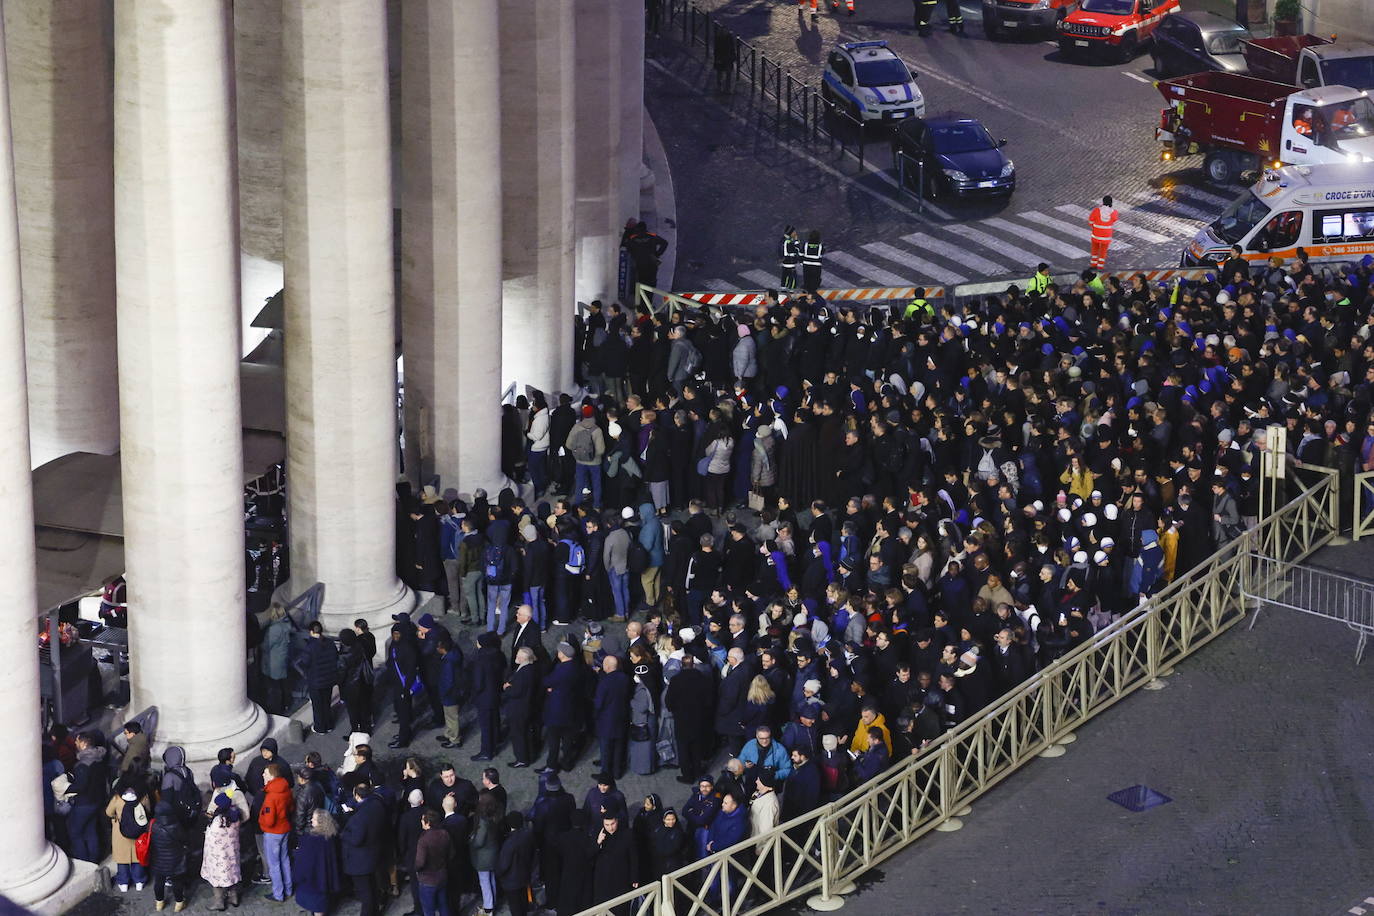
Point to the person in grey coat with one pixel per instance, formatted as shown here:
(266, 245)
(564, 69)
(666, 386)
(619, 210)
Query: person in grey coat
(744, 359)
(1225, 515)
(643, 724)
(616, 557)
(683, 357)
(276, 648)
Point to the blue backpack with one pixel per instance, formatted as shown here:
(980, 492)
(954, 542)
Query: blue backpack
(577, 557)
(496, 564)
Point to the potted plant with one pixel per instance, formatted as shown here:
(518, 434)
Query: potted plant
(1286, 16)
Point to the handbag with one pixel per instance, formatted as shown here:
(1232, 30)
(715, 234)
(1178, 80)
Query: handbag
(62, 794)
(640, 733)
(755, 501)
(704, 466)
(143, 845)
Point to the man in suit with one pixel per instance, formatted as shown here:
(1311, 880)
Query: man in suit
(488, 674)
(520, 694)
(526, 634)
(563, 709)
(361, 842)
(730, 702)
(611, 714)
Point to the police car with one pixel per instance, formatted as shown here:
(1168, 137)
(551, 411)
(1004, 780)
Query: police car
(871, 83)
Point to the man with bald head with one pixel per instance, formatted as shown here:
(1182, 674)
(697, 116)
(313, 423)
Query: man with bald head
(732, 699)
(611, 715)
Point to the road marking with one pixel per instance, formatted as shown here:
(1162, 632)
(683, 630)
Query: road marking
(1070, 229)
(907, 259)
(763, 278)
(1059, 130)
(1122, 229)
(992, 242)
(823, 166)
(1174, 207)
(1138, 78)
(978, 263)
(1198, 195)
(866, 270)
(1032, 235)
(718, 285)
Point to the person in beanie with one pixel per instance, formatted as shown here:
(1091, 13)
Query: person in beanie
(763, 808)
(219, 866)
(586, 443)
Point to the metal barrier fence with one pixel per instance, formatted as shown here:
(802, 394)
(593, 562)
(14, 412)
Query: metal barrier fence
(826, 850)
(1362, 512)
(1314, 591)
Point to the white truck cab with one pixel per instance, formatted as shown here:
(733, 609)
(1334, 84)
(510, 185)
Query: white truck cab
(1327, 124)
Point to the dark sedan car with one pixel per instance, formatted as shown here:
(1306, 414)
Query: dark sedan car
(952, 155)
(1191, 42)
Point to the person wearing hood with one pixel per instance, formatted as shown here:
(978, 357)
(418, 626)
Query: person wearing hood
(576, 857)
(763, 466)
(643, 731)
(651, 539)
(488, 674)
(168, 854)
(89, 785)
(128, 815)
(615, 554)
(669, 845)
(219, 865)
(550, 817)
(274, 820)
(253, 780)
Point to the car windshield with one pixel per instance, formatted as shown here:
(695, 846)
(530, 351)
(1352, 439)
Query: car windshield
(886, 71)
(1347, 120)
(960, 138)
(1355, 72)
(1239, 218)
(1225, 42)
(1111, 7)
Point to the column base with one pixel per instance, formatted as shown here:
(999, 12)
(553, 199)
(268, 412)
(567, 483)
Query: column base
(52, 878)
(202, 755)
(337, 612)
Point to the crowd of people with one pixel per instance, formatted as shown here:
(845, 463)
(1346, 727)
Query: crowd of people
(776, 552)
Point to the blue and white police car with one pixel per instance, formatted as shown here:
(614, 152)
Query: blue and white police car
(871, 83)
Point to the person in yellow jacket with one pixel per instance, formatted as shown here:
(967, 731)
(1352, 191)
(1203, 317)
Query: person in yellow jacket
(870, 718)
(1079, 478)
(1168, 541)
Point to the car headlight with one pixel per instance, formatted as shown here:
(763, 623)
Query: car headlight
(1009, 169)
(868, 95)
(955, 175)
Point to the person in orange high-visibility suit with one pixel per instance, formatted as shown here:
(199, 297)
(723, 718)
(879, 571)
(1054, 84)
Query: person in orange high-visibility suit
(1102, 219)
(802, 3)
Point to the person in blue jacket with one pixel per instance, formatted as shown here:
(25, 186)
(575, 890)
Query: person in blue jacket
(729, 827)
(651, 539)
(562, 710)
(451, 683)
(361, 841)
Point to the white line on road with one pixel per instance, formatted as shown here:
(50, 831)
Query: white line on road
(1040, 238)
(992, 242)
(1173, 206)
(866, 270)
(1138, 78)
(762, 278)
(1199, 195)
(1121, 228)
(1070, 229)
(719, 286)
(955, 253)
(907, 259)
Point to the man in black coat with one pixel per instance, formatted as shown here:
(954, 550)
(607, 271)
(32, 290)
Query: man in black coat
(730, 702)
(616, 869)
(563, 701)
(403, 663)
(525, 632)
(803, 790)
(577, 860)
(550, 817)
(448, 782)
(408, 832)
(321, 674)
(431, 664)
(519, 699)
(488, 675)
(361, 842)
(515, 864)
(690, 697)
(611, 715)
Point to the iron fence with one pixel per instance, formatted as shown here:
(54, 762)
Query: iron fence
(1311, 590)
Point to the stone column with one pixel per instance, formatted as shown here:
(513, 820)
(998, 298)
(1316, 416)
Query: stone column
(451, 241)
(537, 143)
(598, 87)
(177, 260)
(59, 59)
(341, 460)
(631, 107)
(258, 112)
(31, 868)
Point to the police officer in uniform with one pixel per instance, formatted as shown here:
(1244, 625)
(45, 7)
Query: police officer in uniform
(955, 14)
(811, 262)
(789, 254)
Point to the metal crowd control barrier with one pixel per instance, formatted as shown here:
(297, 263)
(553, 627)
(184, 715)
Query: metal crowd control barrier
(1363, 509)
(824, 851)
(861, 298)
(1314, 591)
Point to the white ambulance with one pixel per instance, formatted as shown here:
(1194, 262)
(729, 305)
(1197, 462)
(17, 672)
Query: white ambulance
(1328, 210)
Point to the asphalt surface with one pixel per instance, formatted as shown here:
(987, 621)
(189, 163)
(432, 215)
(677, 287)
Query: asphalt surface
(1075, 130)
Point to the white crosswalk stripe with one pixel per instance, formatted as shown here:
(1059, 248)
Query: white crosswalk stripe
(956, 253)
(719, 286)
(1171, 207)
(907, 259)
(1040, 238)
(1069, 229)
(993, 243)
(1200, 195)
(761, 278)
(1122, 228)
(866, 270)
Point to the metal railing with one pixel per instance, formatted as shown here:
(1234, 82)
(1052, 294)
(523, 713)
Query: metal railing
(1362, 510)
(827, 849)
(1319, 592)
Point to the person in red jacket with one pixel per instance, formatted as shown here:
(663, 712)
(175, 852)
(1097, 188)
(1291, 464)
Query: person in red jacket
(274, 819)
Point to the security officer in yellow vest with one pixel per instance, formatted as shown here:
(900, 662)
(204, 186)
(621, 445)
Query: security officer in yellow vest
(1093, 282)
(1040, 283)
(919, 309)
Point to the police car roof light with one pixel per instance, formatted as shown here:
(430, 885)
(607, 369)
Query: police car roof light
(857, 45)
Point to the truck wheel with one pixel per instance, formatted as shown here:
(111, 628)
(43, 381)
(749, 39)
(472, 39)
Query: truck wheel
(1219, 168)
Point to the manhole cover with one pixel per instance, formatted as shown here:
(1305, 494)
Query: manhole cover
(1139, 798)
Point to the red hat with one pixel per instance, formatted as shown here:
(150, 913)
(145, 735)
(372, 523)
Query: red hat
(588, 410)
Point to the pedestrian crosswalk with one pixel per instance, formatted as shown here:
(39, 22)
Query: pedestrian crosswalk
(1153, 227)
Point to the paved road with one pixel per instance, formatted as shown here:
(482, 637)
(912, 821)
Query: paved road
(1075, 131)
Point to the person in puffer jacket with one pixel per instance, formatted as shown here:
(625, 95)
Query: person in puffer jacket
(274, 820)
(168, 853)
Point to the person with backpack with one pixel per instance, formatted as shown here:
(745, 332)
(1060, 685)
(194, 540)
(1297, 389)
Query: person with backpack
(587, 445)
(356, 681)
(179, 785)
(684, 359)
(498, 568)
(129, 817)
(569, 564)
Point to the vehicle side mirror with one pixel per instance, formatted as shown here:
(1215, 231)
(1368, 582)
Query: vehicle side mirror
(1002, 142)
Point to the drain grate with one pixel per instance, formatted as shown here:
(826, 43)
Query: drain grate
(1139, 798)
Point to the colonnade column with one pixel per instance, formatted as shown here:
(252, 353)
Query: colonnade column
(31, 868)
(60, 88)
(341, 458)
(537, 143)
(177, 260)
(631, 107)
(451, 240)
(598, 89)
(258, 113)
